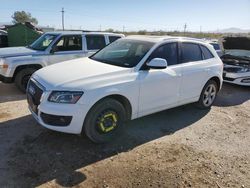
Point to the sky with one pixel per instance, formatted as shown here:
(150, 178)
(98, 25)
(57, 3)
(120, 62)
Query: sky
(168, 15)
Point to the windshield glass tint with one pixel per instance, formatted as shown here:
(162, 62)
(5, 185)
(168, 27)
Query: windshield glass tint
(43, 42)
(216, 46)
(123, 52)
(240, 53)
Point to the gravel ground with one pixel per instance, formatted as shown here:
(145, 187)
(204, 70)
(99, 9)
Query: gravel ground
(181, 147)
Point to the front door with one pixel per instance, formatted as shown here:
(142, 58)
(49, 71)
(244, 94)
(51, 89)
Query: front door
(66, 48)
(159, 89)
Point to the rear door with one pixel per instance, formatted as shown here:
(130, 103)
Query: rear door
(66, 48)
(194, 72)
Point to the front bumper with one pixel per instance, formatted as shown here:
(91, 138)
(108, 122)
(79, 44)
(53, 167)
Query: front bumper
(5, 79)
(76, 112)
(68, 118)
(242, 79)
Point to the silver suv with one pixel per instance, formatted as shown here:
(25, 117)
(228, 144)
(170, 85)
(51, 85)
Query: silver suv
(17, 64)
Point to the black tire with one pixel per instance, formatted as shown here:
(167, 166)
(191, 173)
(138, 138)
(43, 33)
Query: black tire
(202, 100)
(22, 78)
(96, 114)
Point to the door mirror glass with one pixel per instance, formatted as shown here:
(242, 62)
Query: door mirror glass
(157, 63)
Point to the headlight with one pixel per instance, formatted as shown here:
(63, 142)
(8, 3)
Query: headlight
(243, 69)
(69, 97)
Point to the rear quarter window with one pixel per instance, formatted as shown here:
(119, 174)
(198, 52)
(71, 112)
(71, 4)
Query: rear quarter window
(113, 38)
(206, 52)
(95, 42)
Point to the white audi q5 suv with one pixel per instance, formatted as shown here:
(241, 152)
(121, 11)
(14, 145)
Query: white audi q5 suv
(132, 77)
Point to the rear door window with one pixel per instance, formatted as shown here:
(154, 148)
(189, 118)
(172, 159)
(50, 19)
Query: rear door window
(167, 51)
(206, 52)
(95, 42)
(190, 52)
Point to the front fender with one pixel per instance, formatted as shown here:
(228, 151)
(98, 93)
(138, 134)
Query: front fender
(130, 93)
(15, 62)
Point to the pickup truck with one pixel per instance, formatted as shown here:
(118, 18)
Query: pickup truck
(17, 64)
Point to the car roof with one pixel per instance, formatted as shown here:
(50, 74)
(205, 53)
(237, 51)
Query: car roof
(149, 38)
(83, 32)
(157, 39)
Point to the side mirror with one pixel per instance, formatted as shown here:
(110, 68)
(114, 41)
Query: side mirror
(157, 63)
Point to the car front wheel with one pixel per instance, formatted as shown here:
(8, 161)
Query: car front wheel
(22, 78)
(104, 121)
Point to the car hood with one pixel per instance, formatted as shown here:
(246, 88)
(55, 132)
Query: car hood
(81, 73)
(16, 52)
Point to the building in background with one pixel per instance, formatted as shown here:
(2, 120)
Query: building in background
(22, 34)
(3, 39)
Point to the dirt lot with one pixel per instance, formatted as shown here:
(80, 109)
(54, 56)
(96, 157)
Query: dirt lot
(181, 147)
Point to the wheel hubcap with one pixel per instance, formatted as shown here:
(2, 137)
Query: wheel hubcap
(107, 121)
(209, 95)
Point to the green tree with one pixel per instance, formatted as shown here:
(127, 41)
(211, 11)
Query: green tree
(109, 30)
(142, 32)
(22, 17)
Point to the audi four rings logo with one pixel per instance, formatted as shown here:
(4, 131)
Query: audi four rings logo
(32, 90)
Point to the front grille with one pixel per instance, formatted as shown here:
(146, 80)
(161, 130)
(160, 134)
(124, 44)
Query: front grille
(246, 80)
(232, 69)
(228, 79)
(34, 94)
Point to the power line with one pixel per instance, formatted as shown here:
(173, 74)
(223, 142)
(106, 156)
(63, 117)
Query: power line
(185, 27)
(62, 18)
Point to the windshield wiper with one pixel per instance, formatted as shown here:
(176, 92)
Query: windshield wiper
(245, 57)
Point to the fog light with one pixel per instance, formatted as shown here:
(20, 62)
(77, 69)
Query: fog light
(246, 80)
(54, 120)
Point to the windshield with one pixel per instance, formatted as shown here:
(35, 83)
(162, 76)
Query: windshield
(239, 53)
(123, 52)
(43, 42)
(216, 46)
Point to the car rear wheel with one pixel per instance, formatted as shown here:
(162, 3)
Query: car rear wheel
(105, 121)
(22, 78)
(208, 95)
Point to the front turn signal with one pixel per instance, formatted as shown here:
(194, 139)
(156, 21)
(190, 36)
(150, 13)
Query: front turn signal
(5, 66)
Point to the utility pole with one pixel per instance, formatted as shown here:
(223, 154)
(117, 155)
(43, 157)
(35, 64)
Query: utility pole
(62, 11)
(185, 27)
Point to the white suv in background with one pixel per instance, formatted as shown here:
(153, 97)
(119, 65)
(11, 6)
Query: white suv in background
(128, 79)
(17, 64)
(217, 45)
